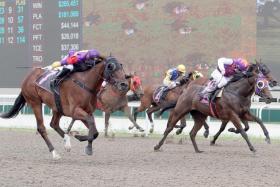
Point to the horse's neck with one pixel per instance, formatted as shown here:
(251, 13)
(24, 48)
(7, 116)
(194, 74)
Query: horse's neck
(244, 87)
(93, 78)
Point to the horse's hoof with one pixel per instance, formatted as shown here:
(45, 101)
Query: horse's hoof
(206, 134)
(232, 130)
(198, 151)
(253, 149)
(151, 131)
(67, 144)
(268, 140)
(140, 129)
(130, 128)
(55, 155)
(156, 148)
(179, 131)
(180, 142)
(212, 143)
(88, 150)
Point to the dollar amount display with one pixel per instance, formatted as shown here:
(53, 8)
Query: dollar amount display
(36, 33)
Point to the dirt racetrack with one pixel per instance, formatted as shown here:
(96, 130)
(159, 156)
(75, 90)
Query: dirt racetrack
(25, 161)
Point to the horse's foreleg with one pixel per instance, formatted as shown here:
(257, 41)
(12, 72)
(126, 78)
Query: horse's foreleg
(55, 125)
(80, 114)
(222, 128)
(149, 112)
(236, 121)
(107, 117)
(37, 109)
(70, 126)
(126, 110)
(250, 117)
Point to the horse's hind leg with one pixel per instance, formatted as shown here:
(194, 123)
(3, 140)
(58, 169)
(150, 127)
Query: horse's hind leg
(37, 109)
(174, 117)
(149, 113)
(250, 117)
(126, 110)
(199, 120)
(222, 128)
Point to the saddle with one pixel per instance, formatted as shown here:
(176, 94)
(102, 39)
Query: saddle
(44, 82)
(160, 93)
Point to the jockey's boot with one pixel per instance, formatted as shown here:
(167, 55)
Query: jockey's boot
(60, 75)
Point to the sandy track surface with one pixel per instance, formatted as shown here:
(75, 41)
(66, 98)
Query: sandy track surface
(25, 161)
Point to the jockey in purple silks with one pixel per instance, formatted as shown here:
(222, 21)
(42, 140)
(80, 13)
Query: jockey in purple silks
(227, 67)
(69, 62)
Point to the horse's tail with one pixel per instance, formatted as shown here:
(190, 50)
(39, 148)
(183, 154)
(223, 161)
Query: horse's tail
(18, 105)
(167, 107)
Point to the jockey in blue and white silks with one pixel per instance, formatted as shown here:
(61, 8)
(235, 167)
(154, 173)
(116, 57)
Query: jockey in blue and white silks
(172, 75)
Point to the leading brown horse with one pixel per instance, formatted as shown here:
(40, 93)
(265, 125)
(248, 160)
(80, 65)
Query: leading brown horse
(232, 106)
(265, 79)
(78, 98)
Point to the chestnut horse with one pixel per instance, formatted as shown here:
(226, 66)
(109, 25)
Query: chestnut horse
(111, 99)
(233, 106)
(78, 98)
(148, 104)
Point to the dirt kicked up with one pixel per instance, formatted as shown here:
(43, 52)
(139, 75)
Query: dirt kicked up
(25, 161)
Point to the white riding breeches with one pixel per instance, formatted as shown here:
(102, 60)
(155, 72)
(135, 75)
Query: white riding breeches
(219, 79)
(69, 66)
(170, 84)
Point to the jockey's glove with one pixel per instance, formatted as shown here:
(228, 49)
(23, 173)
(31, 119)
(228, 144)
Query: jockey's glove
(48, 68)
(55, 64)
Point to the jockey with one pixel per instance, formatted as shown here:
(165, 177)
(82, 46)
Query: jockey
(227, 67)
(172, 75)
(72, 61)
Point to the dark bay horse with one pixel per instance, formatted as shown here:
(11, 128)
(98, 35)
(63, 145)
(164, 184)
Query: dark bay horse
(148, 104)
(110, 100)
(265, 79)
(233, 106)
(78, 101)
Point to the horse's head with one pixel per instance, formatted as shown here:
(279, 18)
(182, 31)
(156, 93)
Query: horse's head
(262, 88)
(135, 85)
(267, 73)
(115, 75)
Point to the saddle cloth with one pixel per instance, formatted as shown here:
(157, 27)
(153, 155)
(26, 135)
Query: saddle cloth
(159, 94)
(44, 80)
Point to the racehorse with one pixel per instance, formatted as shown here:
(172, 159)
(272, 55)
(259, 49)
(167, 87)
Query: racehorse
(265, 79)
(111, 99)
(148, 103)
(78, 97)
(233, 106)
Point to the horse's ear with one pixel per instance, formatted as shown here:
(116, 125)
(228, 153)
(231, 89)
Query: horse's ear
(256, 62)
(129, 76)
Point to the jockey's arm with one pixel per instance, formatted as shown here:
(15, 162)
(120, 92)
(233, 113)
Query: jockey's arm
(166, 80)
(222, 62)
